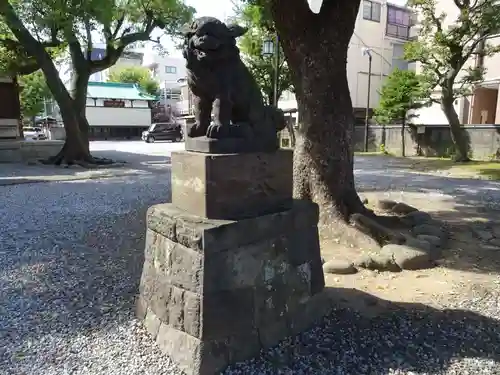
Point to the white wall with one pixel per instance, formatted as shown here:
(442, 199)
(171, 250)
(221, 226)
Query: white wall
(433, 115)
(138, 115)
(158, 64)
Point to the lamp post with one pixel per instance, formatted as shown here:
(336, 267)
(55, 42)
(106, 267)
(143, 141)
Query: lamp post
(368, 52)
(270, 48)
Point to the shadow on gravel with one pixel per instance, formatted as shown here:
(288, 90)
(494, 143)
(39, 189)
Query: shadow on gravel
(13, 174)
(368, 335)
(79, 280)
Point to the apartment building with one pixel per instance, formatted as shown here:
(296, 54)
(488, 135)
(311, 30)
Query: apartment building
(381, 30)
(167, 70)
(483, 106)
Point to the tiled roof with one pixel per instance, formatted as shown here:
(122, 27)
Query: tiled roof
(114, 90)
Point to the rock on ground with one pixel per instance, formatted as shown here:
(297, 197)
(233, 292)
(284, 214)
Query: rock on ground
(339, 267)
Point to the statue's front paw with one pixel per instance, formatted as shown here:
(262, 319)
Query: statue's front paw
(217, 131)
(195, 130)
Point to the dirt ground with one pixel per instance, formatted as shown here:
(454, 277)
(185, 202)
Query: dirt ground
(470, 267)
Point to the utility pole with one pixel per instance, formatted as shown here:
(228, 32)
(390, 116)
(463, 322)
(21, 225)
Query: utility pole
(276, 70)
(367, 51)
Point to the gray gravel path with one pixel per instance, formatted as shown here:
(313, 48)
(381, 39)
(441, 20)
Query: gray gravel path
(70, 261)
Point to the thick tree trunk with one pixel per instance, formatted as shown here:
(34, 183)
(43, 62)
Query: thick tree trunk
(316, 50)
(76, 147)
(458, 135)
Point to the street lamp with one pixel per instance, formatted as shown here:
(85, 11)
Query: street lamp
(368, 52)
(270, 48)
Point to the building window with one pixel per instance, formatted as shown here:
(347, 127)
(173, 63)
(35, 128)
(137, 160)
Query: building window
(170, 69)
(371, 10)
(398, 60)
(398, 22)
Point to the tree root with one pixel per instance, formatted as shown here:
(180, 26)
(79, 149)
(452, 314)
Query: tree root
(85, 161)
(374, 227)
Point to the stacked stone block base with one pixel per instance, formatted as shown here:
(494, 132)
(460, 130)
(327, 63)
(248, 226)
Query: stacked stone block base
(215, 292)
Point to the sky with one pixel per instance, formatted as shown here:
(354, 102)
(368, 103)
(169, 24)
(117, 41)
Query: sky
(220, 9)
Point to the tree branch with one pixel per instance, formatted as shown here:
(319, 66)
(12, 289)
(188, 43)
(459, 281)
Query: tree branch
(114, 53)
(27, 69)
(28, 42)
(75, 50)
(88, 30)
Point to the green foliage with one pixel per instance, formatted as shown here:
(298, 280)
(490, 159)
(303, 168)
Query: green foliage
(34, 93)
(260, 29)
(135, 74)
(444, 45)
(31, 27)
(402, 91)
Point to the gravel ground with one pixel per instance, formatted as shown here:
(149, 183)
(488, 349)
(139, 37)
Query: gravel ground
(70, 261)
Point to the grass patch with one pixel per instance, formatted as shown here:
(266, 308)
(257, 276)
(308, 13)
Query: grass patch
(370, 153)
(485, 169)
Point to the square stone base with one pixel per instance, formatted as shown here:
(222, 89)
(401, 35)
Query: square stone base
(216, 292)
(232, 186)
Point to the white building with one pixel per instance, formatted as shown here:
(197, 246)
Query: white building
(381, 28)
(166, 70)
(117, 110)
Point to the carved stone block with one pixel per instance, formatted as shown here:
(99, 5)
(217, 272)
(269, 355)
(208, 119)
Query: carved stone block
(232, 186)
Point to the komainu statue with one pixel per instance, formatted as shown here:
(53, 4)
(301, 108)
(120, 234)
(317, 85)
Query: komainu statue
(223, 86)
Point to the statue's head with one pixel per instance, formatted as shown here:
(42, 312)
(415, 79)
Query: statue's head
(210, 38)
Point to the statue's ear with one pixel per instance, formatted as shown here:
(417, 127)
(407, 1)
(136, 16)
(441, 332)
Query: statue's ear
(236, 30)
(187, 29)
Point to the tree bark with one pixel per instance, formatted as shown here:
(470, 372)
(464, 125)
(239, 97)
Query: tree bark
(76, 146)
(458, 135)
(316, 50)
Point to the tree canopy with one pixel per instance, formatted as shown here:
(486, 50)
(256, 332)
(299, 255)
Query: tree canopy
(139, 75)
(260, 29)
(34, 93)
(444, 48)
(402, 91)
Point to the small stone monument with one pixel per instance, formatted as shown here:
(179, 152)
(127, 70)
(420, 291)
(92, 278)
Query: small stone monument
(233, 264)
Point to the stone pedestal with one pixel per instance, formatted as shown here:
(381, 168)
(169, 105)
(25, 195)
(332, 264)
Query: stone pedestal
(217, 291)
(232, 186)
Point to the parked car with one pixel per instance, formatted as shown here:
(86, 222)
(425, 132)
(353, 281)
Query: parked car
(34, 134)
(163, 131)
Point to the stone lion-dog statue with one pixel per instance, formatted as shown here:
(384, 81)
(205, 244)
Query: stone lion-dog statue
(221, 84)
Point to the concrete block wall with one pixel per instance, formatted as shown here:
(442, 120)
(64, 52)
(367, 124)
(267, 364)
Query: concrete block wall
(484, 140)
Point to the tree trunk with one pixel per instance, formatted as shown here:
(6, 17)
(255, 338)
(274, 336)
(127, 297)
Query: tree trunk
(458, 135)
(316, 50)
(78, 92)
(76, 146)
